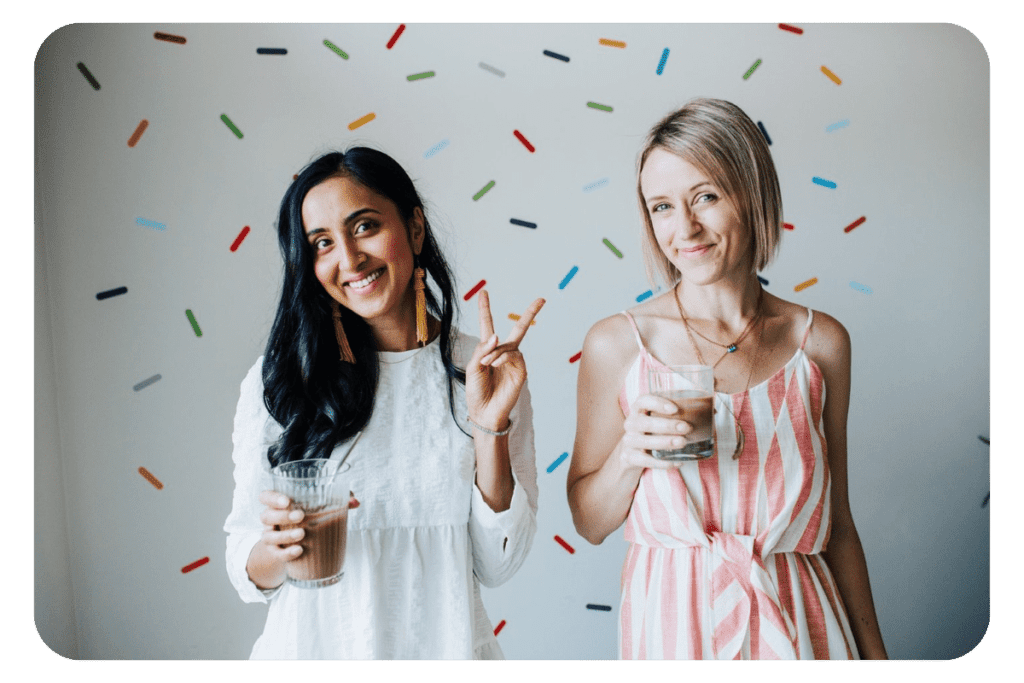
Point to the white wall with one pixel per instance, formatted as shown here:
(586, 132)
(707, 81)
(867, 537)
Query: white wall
(913, 160)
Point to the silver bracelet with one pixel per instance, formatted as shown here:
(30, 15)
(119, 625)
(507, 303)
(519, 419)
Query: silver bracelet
(485, 430)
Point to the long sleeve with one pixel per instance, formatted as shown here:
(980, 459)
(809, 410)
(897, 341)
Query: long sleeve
(501, 540)
(254, 431)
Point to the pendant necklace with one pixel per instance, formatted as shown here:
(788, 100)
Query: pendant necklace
(729, 349)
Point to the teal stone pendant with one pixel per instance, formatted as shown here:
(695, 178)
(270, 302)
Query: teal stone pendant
(731, 348)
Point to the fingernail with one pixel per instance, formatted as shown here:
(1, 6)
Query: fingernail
(295, 515)
(297, 534)
(669, 408)
(680, 426)
(678, 441)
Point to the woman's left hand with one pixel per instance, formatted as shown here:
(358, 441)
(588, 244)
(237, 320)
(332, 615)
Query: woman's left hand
(496, 372)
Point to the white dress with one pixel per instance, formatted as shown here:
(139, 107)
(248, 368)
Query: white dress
(422, 539)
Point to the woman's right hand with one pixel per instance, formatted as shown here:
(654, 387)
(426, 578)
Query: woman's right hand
(653, 423)
(279, 543)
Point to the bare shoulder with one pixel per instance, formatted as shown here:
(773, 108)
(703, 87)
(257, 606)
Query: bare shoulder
(610, 341)
(828, 345)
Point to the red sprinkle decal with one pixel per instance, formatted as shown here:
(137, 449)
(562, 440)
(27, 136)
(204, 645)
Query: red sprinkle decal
(794, 29)
(391, 43)
(501, 625)
(564, 544)
(576, 357)
(854, 224)
(523, 140)
(241, 236)
(198, 563)
(470, 293)
(788, 226)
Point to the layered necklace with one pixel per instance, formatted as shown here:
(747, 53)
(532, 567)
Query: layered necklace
(729, 348)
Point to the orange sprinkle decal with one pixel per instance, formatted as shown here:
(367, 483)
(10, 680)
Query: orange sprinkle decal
(806, 284)
(149, 477)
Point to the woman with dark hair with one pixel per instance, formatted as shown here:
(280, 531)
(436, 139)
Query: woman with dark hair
(750, 552)
(364, 363)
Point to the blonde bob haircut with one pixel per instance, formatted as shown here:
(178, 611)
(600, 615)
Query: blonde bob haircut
(719, 139)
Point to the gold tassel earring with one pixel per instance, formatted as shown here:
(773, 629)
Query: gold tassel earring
(421, 306)
(339, 333)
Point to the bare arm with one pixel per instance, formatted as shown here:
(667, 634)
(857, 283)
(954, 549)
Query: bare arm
(830, 349)
(609, 454)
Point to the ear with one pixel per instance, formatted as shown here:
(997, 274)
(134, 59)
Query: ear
(417, 230)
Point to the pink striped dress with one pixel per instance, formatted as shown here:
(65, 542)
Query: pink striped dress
(724, 555)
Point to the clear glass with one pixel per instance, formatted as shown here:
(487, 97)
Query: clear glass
(320, 488)
(692, 388)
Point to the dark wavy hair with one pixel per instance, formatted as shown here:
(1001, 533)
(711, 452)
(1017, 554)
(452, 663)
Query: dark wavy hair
(318, 399)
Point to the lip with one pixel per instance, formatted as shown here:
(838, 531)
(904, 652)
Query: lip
(694, 252)
(368, 288)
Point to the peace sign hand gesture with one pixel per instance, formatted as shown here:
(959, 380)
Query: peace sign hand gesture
(496, 372)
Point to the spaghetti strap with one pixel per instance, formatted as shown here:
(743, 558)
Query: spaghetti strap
(636, 332)
(807, 330)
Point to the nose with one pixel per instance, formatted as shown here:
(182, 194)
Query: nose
(349, 257)
(688, 224)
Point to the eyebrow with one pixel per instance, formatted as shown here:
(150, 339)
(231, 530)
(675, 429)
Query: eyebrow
(348, 220)
(661, 196)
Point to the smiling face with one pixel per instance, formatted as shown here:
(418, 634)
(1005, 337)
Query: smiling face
(363, 252)
(695, 224)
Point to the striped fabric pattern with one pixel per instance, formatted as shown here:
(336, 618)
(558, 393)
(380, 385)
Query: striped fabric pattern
(724, 555)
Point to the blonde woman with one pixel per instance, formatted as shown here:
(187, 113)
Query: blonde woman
(751, 553)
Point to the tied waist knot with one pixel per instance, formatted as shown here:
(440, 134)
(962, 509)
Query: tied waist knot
(745, 601)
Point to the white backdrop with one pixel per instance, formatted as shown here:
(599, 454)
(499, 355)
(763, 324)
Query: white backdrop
(904, 137)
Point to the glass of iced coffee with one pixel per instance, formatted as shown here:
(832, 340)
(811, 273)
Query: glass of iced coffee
(692, 388)
(320, 488)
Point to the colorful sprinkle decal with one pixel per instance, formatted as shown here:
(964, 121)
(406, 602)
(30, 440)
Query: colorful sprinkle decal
(558, 461)
(601, 608)
(420, 76)
(664, 58)
(331, 46)
(805, 284)
(522, 139)
(139, 130)
(576, 357)
(483, 190)
(230, 124)
(751, 69)
(146, 382)
(198, 563)
(854, 224)
(565, 545)
(835, 79)
(612, 43)
(169, 38)
(555, 55)
(152, 480)
(111, 292)
(794, 29)
(837, 125)
(435, 149)
(824, 183)
(525, 224)
(394, 38)
(146, 223)
(362, 121)
(859, 287)
(488, 67)
(88, 76)
(192, 321)
(602, 107)
(593, 186)
(568, 277)
(612, 247)
(476, 288)
(271, 51)
(764, 132)
(238, 240)
(501, 625)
